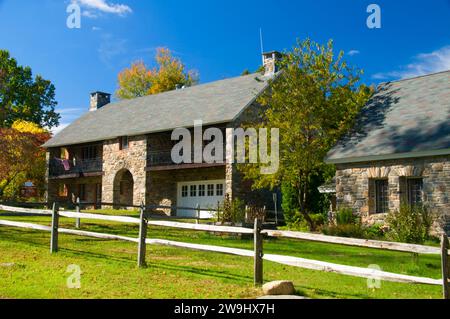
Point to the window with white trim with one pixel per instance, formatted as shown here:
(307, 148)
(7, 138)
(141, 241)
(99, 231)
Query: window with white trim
(193, 190)
(201, 190)
(210, 189)
(219, 190)
(184, 191)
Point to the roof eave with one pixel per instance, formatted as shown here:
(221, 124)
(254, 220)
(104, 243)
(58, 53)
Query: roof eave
(383, 157)
(50, 145)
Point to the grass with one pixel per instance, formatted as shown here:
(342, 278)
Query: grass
(27, 270)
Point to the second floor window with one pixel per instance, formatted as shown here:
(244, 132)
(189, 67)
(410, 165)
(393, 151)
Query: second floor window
(89, 152)
(123, 142)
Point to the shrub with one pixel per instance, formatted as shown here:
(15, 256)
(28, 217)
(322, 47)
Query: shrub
(345, 217)
(232, 211)
(297, 221)
(376, 231)
(411, 224)
(318, 219)
(347, 225)
(345, 230)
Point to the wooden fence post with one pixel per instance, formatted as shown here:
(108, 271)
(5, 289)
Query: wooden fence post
(142, 236)
(258, 248)
(54, 230)
(445, 266)
(78, 209)
(197, 221)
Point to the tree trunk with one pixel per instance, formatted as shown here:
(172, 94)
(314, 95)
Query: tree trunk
(303, 210)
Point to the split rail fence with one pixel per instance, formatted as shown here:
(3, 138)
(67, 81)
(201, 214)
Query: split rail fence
(257, 254)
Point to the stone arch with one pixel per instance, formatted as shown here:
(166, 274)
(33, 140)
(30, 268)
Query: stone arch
(378, 172)
(123, 188)
(410, 171)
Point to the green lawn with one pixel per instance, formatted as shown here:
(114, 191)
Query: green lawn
(27, 270)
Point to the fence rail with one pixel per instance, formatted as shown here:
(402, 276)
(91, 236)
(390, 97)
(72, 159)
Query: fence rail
(257, 253)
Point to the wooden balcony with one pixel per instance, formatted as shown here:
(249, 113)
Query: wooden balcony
(162, 160)
(75, 168)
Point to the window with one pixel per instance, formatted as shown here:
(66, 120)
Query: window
(82, 191)
(89, 152)
(415, 188)
(63, 190)
(123, 142)
(210, 189)
(219, 190)
(201, 190)
(193, 190)
(184, 191)
(381, 196)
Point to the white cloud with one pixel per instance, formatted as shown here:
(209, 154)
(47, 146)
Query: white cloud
(110, 48)
(89, 14)
(353, 52)
(103, 6)
(424, 63)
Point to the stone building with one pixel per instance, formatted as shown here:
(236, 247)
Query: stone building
(120, 152)
(398, 151)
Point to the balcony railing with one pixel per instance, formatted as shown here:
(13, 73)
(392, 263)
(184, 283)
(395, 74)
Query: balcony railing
(164, 158)
(76, 166)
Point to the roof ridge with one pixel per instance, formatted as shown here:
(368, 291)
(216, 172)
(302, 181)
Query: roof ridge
(415, 77)
(181, 90)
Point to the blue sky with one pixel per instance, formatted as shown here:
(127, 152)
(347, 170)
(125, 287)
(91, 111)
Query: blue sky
(218, 38)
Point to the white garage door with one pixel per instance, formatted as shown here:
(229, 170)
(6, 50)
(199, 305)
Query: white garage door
(204, 193)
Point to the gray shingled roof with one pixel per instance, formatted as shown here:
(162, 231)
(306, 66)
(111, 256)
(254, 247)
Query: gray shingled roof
(213, 103)
(403, 119)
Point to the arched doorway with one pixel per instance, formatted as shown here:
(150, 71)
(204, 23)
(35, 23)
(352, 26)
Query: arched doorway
(123, 188)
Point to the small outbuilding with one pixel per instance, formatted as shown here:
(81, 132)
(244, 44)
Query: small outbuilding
(398, 151)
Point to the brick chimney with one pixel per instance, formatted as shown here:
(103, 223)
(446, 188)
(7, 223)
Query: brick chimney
(98, 100)
(270, 60)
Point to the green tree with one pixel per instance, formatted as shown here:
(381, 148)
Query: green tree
(23, 97)
(139, 80)
(313, 102)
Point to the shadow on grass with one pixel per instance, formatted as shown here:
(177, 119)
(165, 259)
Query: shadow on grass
(330, 294)
(130, 260)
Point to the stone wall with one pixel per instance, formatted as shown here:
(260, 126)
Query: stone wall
(352, 184)
(235, 184)
(115, 160)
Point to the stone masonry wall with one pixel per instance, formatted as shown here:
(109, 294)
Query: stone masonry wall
(133, 159)
(352, 184)
(235, 184)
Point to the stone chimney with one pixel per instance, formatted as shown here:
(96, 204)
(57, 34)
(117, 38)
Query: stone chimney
(270, 60)
(98, 100)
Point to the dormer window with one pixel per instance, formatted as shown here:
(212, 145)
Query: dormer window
(123, 142)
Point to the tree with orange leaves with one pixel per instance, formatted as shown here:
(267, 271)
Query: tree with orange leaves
(22, 158)
(139, 80)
